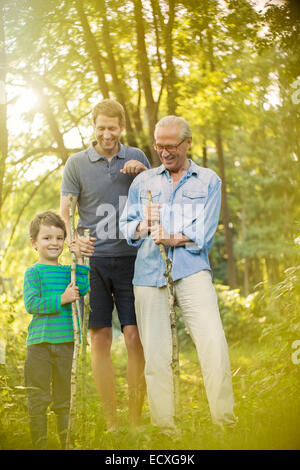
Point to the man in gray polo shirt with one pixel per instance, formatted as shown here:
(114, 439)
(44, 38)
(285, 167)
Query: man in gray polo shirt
(99, 179)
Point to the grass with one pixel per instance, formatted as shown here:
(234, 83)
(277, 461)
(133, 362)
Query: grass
(266, 395)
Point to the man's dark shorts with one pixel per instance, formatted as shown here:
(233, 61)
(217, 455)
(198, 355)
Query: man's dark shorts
(111, 283)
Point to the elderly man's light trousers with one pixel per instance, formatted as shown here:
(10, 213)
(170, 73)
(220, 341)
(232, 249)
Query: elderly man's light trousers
(198, 303)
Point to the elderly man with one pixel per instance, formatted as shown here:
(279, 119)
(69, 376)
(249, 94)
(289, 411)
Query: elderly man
(186, 201)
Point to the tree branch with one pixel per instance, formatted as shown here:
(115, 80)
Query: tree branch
(45, 150)
(26, 203)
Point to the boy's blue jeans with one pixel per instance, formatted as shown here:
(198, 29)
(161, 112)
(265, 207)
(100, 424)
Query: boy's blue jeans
(48, 377)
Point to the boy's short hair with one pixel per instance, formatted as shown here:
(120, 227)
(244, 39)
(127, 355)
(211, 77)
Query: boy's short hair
(110, 108)
(46, 218)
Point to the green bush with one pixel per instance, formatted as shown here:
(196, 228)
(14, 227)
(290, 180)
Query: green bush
(242, 317)
(284, 333)
(12, 391)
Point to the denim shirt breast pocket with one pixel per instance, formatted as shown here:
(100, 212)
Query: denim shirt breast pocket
(193, 203)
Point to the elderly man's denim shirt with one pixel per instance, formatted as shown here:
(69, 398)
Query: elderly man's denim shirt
(192, 208)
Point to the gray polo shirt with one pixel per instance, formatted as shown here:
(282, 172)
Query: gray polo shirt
(102, 194)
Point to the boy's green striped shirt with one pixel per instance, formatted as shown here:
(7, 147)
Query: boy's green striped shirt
(43, 286)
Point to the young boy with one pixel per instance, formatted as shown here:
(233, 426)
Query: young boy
(48, 294)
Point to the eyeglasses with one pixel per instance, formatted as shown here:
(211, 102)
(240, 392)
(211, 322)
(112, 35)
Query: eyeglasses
(169, 148)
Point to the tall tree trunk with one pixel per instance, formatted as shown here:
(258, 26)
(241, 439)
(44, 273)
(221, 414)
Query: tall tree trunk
(231, 270)
(245, 259)
(92, 49)
(246, 276)
(3, 105)
(138, 121)
(151, 105)
(256, 272)
(170, 69)
(169, 74)
(272, 269)
(225, 212)
(112, 65)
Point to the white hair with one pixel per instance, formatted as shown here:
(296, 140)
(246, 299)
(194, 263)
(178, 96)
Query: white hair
(169, 121)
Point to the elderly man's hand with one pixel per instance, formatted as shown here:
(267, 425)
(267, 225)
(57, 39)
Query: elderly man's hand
(133, 167)
(152, 214)
(152, 217)
(160, 235)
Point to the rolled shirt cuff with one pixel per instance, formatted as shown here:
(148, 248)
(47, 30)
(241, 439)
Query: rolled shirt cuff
(131, 233)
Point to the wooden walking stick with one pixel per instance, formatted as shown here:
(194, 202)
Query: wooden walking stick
(85, 320)
(73, 404)
(86, 309)
(171, 299)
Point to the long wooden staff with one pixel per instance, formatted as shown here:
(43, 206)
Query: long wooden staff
(86, 310)
(85, 320)
(73, 401)
(171, 299)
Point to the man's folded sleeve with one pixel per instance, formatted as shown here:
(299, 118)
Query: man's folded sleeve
(131, 218)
